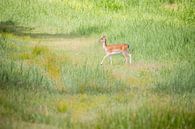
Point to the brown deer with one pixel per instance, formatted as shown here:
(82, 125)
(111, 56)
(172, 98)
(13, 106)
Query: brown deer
(115, 49)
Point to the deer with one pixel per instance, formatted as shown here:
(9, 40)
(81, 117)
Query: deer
(115, 49)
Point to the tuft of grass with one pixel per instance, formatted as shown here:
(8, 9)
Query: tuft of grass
(51, 63)
(111, 5)
(39, 50)
(62, 106)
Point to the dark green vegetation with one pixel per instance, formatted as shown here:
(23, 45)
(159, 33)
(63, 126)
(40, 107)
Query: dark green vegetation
(50, 73)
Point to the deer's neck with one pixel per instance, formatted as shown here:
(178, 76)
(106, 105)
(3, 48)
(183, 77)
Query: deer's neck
(104, 45)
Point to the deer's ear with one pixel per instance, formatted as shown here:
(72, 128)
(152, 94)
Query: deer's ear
(103, 37)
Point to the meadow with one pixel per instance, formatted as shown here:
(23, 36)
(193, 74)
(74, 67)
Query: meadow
(50, 72)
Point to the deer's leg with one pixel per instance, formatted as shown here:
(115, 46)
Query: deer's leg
(104, 58)
(110, 59)
(130, 58)
(125, 56)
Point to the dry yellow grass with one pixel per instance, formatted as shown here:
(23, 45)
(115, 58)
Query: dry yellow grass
(171, 6)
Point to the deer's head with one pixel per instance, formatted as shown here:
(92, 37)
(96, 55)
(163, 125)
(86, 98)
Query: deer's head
(103, 39)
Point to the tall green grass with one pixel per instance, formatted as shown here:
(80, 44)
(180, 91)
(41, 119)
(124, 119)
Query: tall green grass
(179, 80)
(95, 80)
(16, 73)
(163, 29)
(19, 76)
(146, 118)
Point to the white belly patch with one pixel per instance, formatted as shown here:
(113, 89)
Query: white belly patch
(114, 53)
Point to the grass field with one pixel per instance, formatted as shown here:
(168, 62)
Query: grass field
(50, 72)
